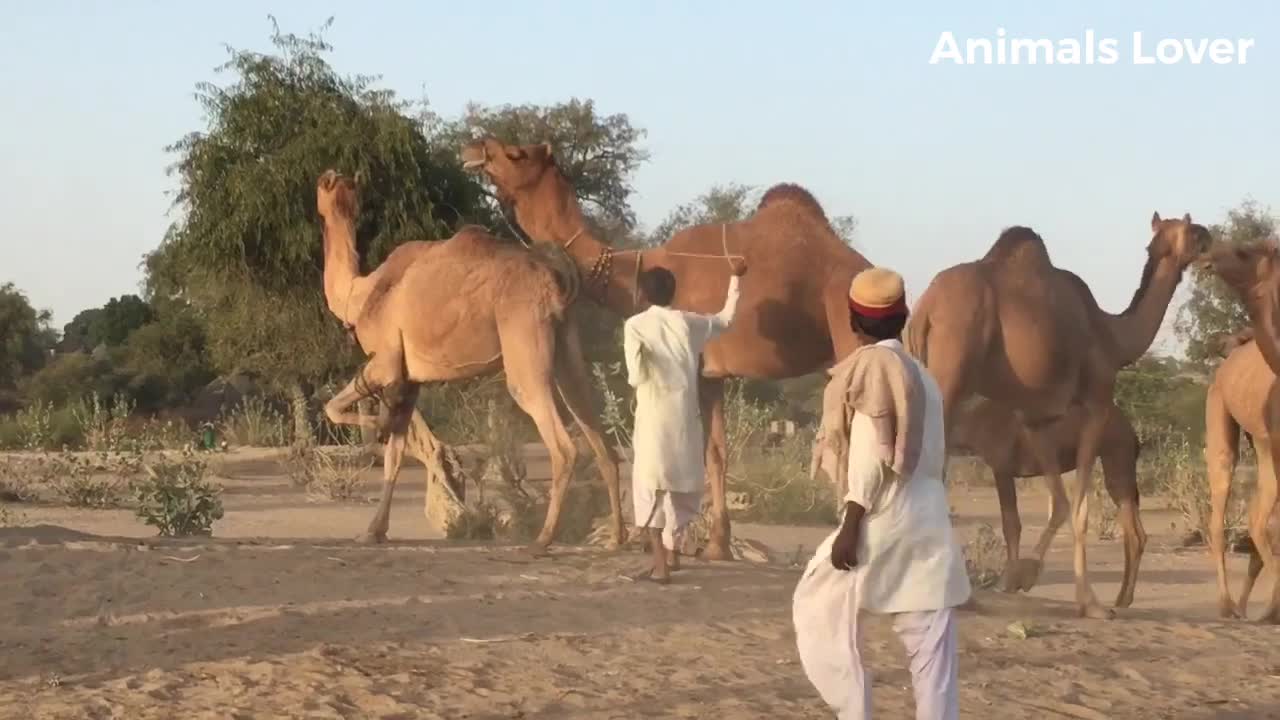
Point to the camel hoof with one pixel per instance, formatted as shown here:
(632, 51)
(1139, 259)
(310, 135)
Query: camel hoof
(1227, 611)
(539, 549)
(1028, 573)
(1124, 600)
(1271, 617)
(1094, 611)
(371, 538)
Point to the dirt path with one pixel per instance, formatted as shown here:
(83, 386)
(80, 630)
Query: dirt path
(300, 625)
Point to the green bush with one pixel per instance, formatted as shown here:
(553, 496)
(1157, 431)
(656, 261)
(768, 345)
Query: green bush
(176, 499)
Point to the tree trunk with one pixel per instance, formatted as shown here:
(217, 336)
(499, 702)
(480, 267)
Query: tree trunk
(303, 434)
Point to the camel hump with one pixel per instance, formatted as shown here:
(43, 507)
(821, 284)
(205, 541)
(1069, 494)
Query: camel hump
(1018, 243)
(791, 193)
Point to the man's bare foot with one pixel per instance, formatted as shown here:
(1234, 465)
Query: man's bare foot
(661, 572)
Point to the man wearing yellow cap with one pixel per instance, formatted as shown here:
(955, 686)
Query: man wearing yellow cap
(895, 552)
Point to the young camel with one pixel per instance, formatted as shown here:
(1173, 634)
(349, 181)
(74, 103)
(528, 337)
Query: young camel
(992, 432)
(1244, 395)
(793, 317)
(1014, 328)
(451, 310)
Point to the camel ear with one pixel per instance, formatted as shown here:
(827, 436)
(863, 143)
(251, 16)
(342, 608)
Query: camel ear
(546, 149)
(1155, 220)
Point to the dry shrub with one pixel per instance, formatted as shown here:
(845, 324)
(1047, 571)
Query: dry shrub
(1180, 476)
(984, 557)
(1102, 511)
(254, 423)
(329, 474)
(98, 480)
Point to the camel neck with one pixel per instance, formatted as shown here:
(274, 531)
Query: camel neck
(1262, 316)
(1134, 330)
(341, 267)
(552, 214)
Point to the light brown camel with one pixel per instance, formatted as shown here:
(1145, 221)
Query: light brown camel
(1014, 328)
(793, 315)
(450, 310)
(993, 433)
(1244, 395)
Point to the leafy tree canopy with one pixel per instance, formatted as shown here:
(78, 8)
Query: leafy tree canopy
(1213, 309)
(25, 336)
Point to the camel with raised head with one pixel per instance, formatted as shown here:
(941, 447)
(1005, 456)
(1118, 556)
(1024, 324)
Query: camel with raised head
(793, 315)
(993, 433)
(1244, 395)
(1014, 328)
(454, 309)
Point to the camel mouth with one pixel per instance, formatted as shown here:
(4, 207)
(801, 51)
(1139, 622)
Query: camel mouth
(474, 158)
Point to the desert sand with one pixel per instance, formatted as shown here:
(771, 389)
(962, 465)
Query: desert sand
(280, 615)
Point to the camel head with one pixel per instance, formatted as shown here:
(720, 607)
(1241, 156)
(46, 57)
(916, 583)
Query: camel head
(1251, 270)
(336, 196)
(511, 168)
(1182, 240)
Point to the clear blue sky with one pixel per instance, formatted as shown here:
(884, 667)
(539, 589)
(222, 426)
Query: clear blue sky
(933, 159)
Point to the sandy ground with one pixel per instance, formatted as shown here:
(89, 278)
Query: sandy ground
(282, 616)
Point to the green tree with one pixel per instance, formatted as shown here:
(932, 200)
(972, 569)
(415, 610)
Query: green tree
(108, 325)
(247, 253)
(1213, 309)
(25, 336)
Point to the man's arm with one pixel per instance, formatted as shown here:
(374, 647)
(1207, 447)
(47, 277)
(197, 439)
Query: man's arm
(633, 353)
(866, 478)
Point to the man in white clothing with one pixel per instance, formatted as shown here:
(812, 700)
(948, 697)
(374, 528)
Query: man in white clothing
(662, 347)
(895, 552)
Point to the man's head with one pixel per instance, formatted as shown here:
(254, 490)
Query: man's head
(658, 286)
(878, 304)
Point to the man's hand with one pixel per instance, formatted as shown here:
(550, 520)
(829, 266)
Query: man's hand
(739, 266)
(844, 549)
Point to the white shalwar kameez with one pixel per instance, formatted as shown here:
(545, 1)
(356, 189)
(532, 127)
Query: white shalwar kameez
(909, 565)
(662, 346)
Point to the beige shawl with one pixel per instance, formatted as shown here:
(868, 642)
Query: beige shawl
(883, 383)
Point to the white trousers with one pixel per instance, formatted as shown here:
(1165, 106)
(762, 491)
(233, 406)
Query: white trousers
(930, 641)
(670, 512)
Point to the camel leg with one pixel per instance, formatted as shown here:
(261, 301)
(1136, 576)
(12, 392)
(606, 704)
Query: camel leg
(1095, 421)
(573, 382)
(1221, 447)
(1011, 524)
(392, 457)
(531, 382)
(1255, 569)
(711, 397)
(1120, 473)
(1043, 446)
(1263, 505)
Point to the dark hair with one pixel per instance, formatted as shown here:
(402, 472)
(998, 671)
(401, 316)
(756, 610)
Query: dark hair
(885, 328)
(658, 286)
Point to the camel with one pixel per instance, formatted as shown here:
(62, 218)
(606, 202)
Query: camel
(454, 309)
(1244, 395)
(993, 433)
(793, 315)
(1014, 328)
